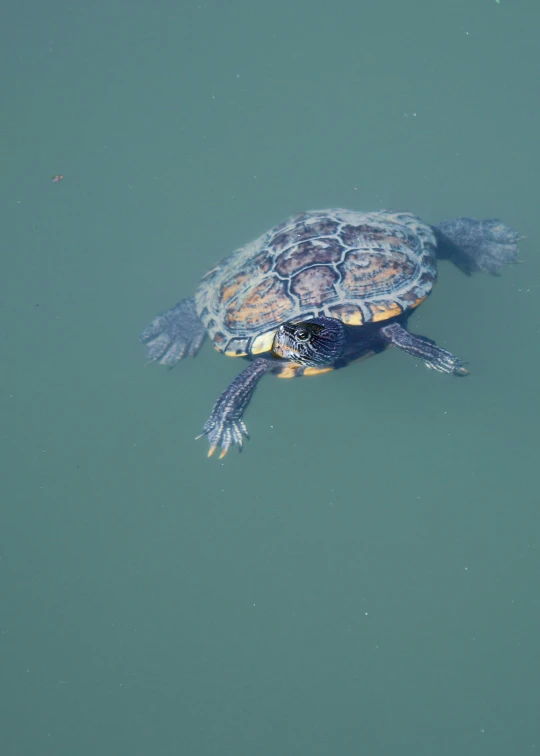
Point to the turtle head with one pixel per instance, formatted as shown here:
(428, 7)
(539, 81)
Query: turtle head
(315, 342)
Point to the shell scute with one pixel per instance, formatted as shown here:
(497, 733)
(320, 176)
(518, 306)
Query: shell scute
(316, 286)
(355, 236)
(374, 275)
(267, 303)
(239, 281)
(348, 313)
(306, 254)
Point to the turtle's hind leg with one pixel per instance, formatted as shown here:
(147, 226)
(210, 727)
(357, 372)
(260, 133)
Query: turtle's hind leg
(472, 245)
(174, 334)
(425, 349)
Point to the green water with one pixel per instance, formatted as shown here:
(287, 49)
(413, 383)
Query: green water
(364, 578)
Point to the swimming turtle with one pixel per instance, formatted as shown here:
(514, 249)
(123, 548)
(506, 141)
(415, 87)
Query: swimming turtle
(317, 292)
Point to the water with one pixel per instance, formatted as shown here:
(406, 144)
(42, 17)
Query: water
(363, 578)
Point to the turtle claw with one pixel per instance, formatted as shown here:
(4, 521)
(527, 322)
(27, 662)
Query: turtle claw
(224, 432)
(226, 427)
(445, 362)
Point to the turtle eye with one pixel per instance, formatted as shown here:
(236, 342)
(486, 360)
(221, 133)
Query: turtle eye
(302, 334)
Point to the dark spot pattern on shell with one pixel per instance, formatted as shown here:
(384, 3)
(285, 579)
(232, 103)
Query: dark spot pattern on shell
(268, 302)
(342, 263)
(304, 227)
(238, 281)
(368, 275)
(355, 235)
(313, 228)
(315, 286)
(306, 254)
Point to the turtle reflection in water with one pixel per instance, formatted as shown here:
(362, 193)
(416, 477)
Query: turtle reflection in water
(317, 292)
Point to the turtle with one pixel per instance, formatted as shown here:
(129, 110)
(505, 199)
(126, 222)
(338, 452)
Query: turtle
(318, 291)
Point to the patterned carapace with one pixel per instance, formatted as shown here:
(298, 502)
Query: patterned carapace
(357, 267)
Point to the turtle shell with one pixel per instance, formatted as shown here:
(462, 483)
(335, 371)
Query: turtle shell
(357, 267)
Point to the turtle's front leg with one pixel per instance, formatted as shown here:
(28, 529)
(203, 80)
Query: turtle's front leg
(226, 426)
(425, 349)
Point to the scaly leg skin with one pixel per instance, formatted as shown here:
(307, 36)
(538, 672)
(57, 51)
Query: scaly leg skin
(419, 346)
(226, 426)
(474, 246)
(174, 334)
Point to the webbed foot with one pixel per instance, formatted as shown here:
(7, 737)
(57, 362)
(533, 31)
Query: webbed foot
(486, 245)
(434, 356)
(225, 427)
(174, 334)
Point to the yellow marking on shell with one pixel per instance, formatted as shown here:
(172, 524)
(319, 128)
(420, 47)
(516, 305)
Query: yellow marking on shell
(354, 319)
(263, 342)
(385, 311)
(232, 287)
(418, 301)
(317, 371)
(348, 314)
(265, 303)
(228, 293)
(234, 353)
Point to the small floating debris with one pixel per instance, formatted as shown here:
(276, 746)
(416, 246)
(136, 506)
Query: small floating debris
(57, 179)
